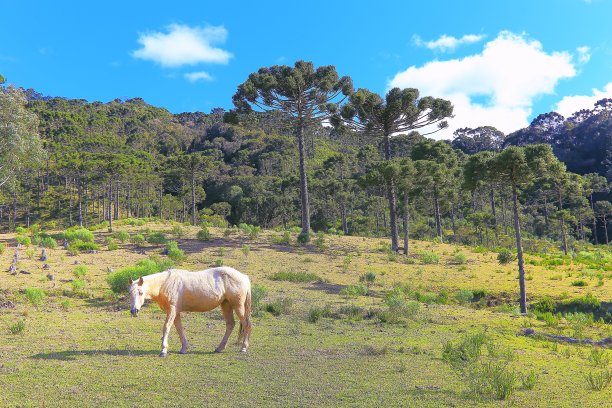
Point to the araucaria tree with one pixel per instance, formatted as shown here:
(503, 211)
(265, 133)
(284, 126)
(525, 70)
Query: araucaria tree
(517, 167)
(400, 112)
(307, 94)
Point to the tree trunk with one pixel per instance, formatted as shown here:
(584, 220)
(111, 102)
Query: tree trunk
(563, 237)
(116, 213)
(110, 206)
(193, 199)
(452, 215)
(594, 220)
(343, 217)
(605, 223)
(405, 220)
(546, 212)
(80, 201)
(303, 179)
(437, 215)
(494, 213)
(392, 197)
(519, 251)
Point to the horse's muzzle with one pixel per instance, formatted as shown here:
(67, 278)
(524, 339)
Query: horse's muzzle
(134, 312)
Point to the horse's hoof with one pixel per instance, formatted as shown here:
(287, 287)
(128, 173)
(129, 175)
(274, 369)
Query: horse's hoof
(163, 354)
(243, 350)
(183, 352)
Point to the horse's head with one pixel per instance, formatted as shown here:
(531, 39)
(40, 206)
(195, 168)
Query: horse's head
(137, 295)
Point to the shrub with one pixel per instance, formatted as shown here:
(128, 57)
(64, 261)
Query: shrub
(580, 282)
(81, 234)
(2, 248)
(156, 238)
(23, 240)
(252, 231)
(48, 242)
(77, 284)
(430, 258)
(492, 378)
(258, 293)
(316, 313)
(529, 380)
(34, 295)
(354, 290)
(295, 277)
(246, 249)
(368, 277)
(546, 304)
(21, 230)
(278, 307)
(303, 238)
(17, 327)
(122, 236)
(80, 271)
(66, 304)
(174, 252)
(319, 241)
(204, 234)
(460, 258)
(505, 256)
(178, 231)
(464, 296)
(281, 239)
(113, 246)
(351, 312)
(218, 262)
(137, 239)
(598, 381)
(468, 350)
(77, 245)
(599, 357)
(119, 281)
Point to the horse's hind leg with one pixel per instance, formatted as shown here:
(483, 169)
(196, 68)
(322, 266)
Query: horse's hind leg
(245, 323)
(228, 315)
(181, 331)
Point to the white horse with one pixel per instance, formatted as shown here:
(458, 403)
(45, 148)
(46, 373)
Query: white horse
(177, 290)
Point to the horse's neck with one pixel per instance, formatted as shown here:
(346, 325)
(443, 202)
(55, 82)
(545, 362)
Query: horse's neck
(154, 283)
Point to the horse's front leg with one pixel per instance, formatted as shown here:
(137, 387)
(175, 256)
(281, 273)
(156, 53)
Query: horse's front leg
(170, 316)
(181, 331)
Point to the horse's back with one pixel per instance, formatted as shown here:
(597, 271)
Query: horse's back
(204, 290)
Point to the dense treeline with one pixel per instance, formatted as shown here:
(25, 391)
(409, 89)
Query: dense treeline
(106, 161)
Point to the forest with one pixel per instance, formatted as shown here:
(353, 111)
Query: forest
(73, 162)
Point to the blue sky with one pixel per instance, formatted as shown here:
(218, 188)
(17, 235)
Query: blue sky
(500, 62)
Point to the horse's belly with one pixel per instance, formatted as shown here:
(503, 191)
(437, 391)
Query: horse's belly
(199, 305)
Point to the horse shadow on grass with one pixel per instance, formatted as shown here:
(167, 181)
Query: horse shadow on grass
(71, 355)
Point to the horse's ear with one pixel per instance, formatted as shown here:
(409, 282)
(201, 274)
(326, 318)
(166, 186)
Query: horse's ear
(140, 281)
(130, 280)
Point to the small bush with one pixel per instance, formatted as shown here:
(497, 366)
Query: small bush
(258, 293)
(246, 249)
(352, 312)
(529, 380)
(2, 248)
(18, 327)
(174, 252)
(80, 271)
(48, 242)
(81, 234)
(77, 284)
(460, 258)
(178, 231)
(66, 304)
(281, 239)
(77, 245)
(122, 236)
(580, 282)
(303, 238)
(316, 313)
(598, 381)
(23, 240)
(34, 295)
(319, 241)
(430, 258)
(295, 277)
(118, 281)
(158, 238)
(505, 256)
(112, 246)
(464, 296)
(368, 277)
(21, 230)
(546, 304)
(468, 350)
(599, 357)
(204, 234)
(354, 291)
(137, 239)
(279, 307)
(218, 262)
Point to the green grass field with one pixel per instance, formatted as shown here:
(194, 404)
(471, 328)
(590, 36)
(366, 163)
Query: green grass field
(78, 345)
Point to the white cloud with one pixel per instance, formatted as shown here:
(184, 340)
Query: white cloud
(584, 54)
(574, 103)
(447, 43)
(183, 45)
(496, 87)
(198, 76)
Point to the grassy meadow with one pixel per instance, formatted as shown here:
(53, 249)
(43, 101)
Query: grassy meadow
(340, 321)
